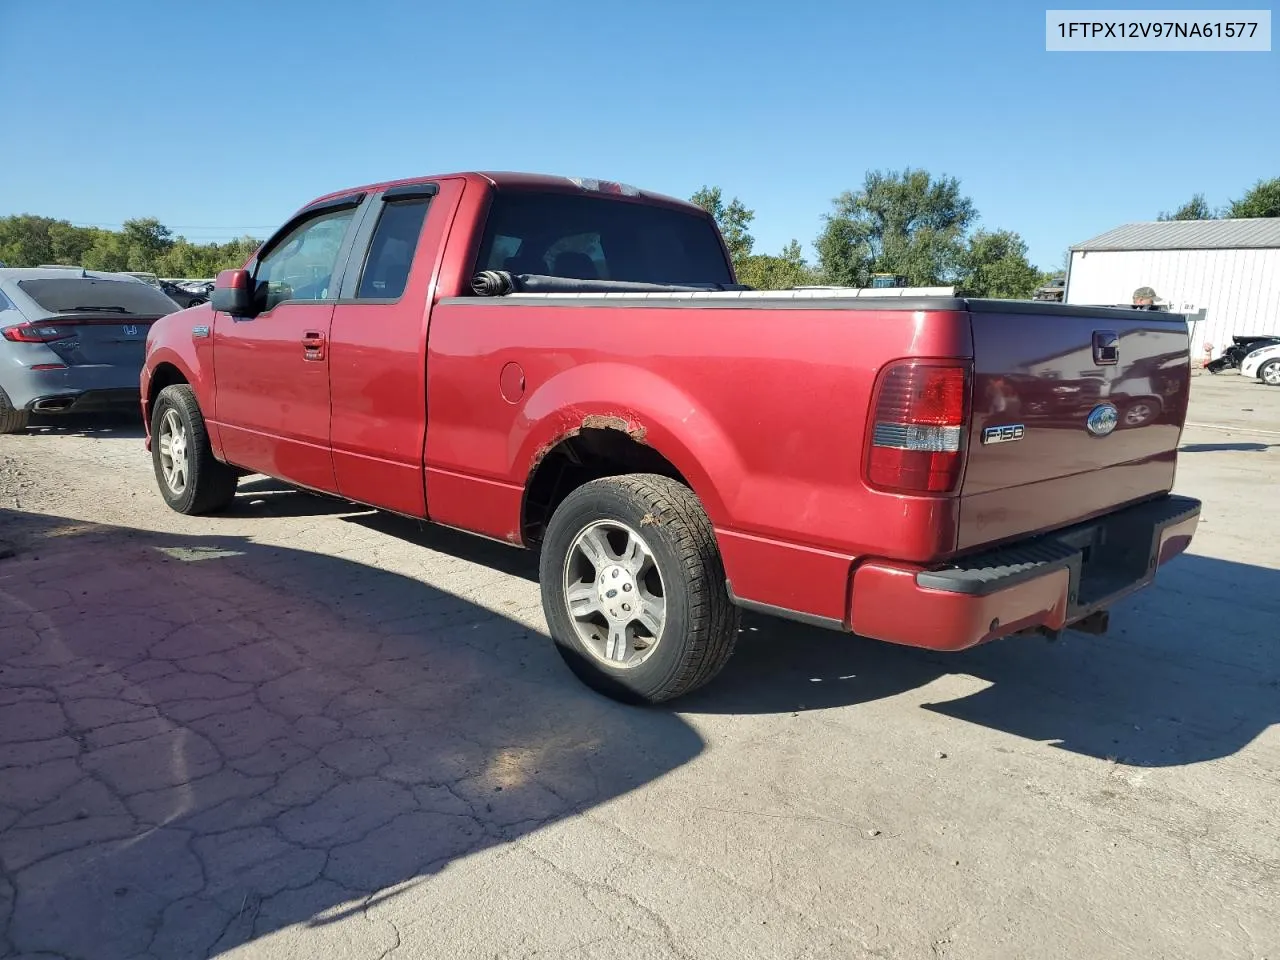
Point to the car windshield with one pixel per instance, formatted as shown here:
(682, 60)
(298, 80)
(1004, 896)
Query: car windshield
(600, 238)
(96, 295)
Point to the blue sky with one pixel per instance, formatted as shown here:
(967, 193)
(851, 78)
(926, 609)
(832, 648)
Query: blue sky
(225, 119)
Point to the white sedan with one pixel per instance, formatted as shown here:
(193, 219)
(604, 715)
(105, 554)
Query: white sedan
(1264, 364)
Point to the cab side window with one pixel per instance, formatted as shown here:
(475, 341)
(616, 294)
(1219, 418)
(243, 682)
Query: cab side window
(395, 240)
(301, 266)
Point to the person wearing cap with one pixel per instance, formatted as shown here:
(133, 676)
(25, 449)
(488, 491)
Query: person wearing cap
(1144, 298)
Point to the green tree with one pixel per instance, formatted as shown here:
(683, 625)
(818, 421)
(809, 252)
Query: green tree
(68, 244)
(184, 259)
(144, 242)
(994, 264)
(903, 222)
(732, 218)
(1261, 200)
(783, 272)
(107, 252)
(27, 240)
(231, 256)
(1197, 208)
(1046, 277)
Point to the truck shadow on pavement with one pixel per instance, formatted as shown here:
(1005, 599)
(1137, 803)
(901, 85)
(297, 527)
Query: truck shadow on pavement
(1243, 447)
(262, 496)
(1189, 672)
(204, 740)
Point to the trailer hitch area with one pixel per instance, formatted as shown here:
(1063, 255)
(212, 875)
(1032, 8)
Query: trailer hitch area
(1095, 624)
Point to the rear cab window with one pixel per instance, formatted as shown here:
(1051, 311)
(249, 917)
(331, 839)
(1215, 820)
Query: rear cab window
(391, 250)
(600, 238)
(58, 295)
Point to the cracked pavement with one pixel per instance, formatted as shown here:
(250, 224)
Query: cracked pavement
(306, 729)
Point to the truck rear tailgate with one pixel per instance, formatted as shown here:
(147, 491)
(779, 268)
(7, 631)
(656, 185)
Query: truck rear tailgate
(1076, 411)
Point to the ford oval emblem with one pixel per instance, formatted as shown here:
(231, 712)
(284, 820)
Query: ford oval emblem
(1102, 419)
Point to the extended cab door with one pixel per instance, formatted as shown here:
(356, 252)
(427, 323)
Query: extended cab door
(271, 370)
(378, 355)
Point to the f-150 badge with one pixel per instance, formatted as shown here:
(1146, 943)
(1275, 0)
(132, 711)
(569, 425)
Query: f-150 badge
(1005, 433)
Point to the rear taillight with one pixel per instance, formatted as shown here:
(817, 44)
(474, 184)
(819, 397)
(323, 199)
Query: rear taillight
(32, 333)
(917, 430)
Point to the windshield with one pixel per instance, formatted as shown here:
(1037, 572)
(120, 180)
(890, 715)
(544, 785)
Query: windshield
(600, 238)
(94, 295)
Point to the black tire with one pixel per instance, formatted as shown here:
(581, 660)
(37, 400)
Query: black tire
(701, 624)
(210, 484)
(1270, 369)
(12, 419)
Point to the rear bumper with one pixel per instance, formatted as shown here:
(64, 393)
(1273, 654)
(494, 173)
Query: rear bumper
(86, 401)
(81, 387)
(1042, 584)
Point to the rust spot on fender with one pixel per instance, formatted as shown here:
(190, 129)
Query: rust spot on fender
(541, 453)
(593, 421)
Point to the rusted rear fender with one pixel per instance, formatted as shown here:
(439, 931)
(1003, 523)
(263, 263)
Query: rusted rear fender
(650, 410)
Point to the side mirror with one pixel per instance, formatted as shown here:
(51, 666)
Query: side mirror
(233, 293)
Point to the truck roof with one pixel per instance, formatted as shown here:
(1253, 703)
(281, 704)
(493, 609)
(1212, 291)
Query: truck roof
(530, 181)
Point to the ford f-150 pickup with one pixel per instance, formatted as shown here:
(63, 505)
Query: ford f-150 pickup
(570, 365)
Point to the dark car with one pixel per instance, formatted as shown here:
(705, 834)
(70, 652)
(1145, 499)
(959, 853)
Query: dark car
(183, 296)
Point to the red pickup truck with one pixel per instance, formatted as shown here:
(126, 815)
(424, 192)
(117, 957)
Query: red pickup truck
(570, 365)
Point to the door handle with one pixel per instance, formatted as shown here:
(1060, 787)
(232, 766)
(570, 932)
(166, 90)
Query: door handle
(313, 345)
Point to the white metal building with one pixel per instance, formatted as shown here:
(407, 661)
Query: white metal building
(1224, 274)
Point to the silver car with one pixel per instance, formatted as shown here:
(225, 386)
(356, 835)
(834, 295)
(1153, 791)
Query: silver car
(72, 340)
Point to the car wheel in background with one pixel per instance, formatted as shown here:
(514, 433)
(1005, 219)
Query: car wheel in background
(191, 479)
(1140, 412)
(12, 420)
(1269, 373)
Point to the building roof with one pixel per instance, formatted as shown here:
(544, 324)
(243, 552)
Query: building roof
(1258, 232)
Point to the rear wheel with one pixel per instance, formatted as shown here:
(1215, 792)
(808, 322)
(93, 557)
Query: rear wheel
(1269, 373)
(12, 419)
(191, 479)
(633, 589)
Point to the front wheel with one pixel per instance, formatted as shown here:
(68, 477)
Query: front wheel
(191, 479)
(1269, 373)
(633, 589)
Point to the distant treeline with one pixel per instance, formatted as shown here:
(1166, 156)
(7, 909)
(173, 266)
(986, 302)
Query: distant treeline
(148, 245)
(908, 223)
(911, 223)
